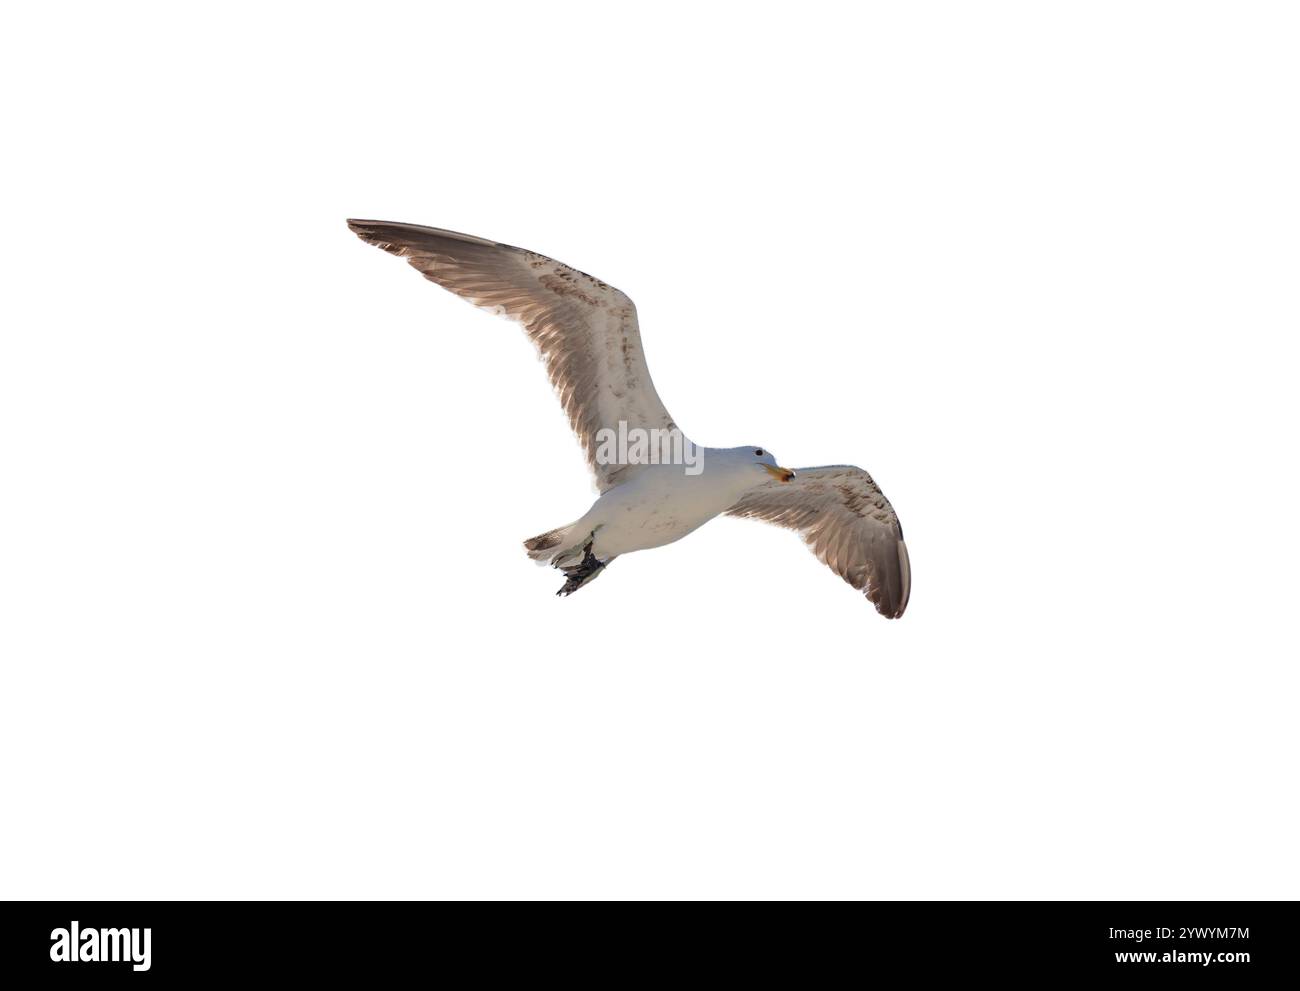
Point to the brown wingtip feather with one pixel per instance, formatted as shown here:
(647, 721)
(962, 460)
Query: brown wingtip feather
(888, 584)
(367, 231)
(394, 236)
(890, 595)
(905, 571)
(380, 233)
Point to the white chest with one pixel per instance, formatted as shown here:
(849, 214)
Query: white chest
(661, 505)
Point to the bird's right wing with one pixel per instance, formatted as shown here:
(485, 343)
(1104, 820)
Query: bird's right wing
(847, 522)
(585, 330)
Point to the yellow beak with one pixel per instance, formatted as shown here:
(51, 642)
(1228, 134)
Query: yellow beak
(784, 474)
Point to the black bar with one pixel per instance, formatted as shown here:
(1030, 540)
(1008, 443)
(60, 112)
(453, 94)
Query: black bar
(812, 943)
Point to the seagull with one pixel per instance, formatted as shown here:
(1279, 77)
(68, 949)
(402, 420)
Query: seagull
(655, 485)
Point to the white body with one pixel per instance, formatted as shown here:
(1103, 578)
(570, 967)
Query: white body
(662, 503)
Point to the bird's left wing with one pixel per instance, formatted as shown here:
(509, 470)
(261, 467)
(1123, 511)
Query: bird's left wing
(585, 330)
(847, 522)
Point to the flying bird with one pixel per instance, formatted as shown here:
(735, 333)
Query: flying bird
(655, 485)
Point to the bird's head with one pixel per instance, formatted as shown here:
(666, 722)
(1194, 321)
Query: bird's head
(766, 461)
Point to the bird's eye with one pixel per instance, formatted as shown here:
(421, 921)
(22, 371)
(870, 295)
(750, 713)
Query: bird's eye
(759, 452)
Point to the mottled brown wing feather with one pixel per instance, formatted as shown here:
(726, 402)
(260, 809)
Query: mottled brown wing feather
(585, 330)
(847, 522)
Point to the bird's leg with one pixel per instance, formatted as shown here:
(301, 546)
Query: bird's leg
(582, 572)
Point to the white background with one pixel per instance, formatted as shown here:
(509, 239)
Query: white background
(267, 627)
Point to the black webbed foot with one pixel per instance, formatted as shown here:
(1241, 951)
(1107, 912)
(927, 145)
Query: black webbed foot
(582, 572)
